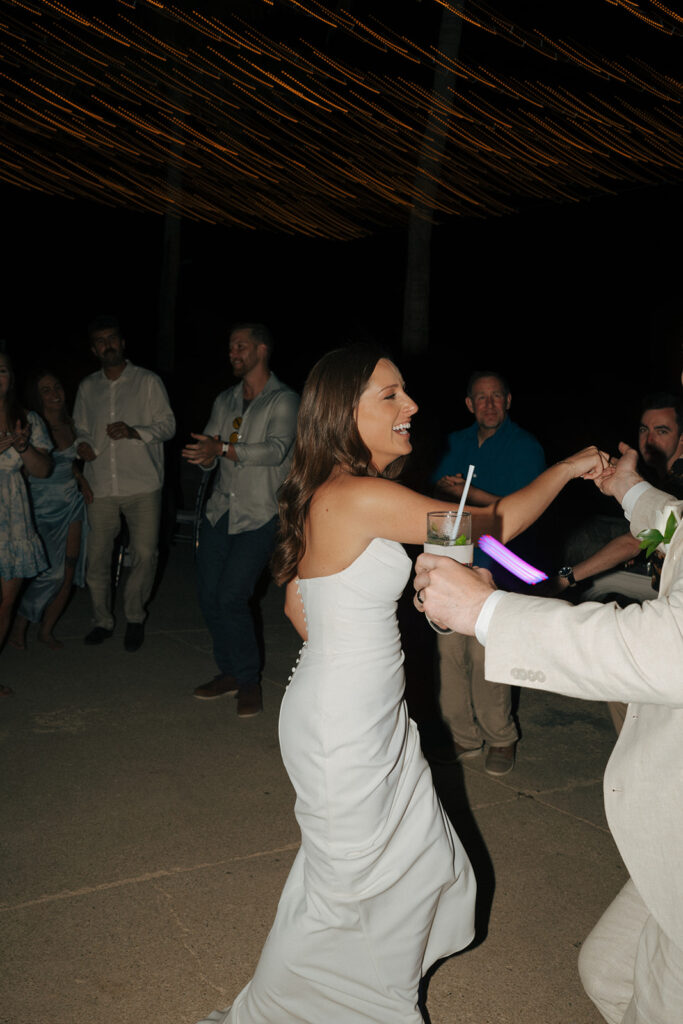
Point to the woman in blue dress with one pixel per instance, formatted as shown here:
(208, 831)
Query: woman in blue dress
(24, 445)
(59, 509)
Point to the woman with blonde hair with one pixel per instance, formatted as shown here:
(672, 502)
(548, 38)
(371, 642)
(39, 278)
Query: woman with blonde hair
(381, 887)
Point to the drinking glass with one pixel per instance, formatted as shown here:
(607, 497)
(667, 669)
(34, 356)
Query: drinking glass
(443, 540)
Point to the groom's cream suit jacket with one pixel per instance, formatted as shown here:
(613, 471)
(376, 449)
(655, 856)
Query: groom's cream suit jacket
(635, 654)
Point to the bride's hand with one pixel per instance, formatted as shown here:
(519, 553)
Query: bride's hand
(588, 463)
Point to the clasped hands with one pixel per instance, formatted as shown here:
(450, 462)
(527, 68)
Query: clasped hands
(118, 431)
(451, 484)
(19, 439)
(452, 596)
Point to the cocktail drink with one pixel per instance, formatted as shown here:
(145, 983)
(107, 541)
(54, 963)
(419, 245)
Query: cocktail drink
(444, 539)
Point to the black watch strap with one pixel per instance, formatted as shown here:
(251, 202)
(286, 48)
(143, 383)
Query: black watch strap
(567, 573)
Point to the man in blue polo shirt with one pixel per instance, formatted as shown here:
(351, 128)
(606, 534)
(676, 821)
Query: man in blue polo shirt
(505, 458)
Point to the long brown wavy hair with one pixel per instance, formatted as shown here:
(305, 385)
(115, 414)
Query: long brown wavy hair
(327, 436)
(14, 409)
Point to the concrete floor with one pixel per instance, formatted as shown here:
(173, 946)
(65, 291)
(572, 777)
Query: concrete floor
(146, 835)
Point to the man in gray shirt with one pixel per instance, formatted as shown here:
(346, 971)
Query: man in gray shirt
(249, 435)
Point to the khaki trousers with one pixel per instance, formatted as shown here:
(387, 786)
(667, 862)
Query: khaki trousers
(476, 710)
(142, 517)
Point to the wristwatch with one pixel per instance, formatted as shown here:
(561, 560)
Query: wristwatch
(567, 573)
(224, 449)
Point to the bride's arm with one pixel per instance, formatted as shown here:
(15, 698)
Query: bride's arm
(384, 509)
(517, 511)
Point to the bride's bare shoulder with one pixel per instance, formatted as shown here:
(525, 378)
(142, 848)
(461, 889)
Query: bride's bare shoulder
(345, 491)
(336, 528)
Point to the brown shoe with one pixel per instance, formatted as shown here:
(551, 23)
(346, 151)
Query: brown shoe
(500, 760)
(465, 753)
(220, 686)
(451, 753)
(249, 701)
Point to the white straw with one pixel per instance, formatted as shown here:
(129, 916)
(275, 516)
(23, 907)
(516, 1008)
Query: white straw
(463, 501)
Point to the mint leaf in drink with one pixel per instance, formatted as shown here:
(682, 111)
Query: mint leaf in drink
(462, 539)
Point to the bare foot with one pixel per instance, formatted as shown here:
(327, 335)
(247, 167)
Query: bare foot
(17, 636)
(6, 692)
(51, 641)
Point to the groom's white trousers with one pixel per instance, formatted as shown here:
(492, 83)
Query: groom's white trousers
(629, 968)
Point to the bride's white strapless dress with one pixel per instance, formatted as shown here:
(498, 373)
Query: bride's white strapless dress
(381, 887)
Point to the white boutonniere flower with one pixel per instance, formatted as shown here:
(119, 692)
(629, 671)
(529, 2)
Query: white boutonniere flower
(658, 537)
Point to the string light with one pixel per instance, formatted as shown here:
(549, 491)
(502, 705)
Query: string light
(272, 132)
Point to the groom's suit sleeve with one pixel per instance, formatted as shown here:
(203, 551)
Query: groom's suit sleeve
(595, 651)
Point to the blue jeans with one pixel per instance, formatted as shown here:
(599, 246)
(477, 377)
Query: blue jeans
(228, 569)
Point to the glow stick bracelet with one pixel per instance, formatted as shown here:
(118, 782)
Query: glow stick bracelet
(463, 500)
(510, 561)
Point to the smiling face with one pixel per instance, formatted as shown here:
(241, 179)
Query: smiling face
(245, 353)
(489, 403)
(383, 415)
(51, 394)
(659, 437)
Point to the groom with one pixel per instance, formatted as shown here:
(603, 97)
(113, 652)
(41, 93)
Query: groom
(631, 965)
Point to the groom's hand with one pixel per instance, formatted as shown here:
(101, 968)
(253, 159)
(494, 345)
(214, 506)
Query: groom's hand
(622, 474)
(450, 594)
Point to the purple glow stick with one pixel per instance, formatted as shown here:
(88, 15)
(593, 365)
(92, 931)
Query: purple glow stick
(510, 561)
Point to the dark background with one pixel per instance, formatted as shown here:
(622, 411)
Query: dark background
(579, 304)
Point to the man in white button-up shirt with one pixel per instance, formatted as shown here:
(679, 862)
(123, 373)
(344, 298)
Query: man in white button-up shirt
(122, 418)
(631, 964)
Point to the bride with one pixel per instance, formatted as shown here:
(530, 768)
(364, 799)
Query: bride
(381, 887)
